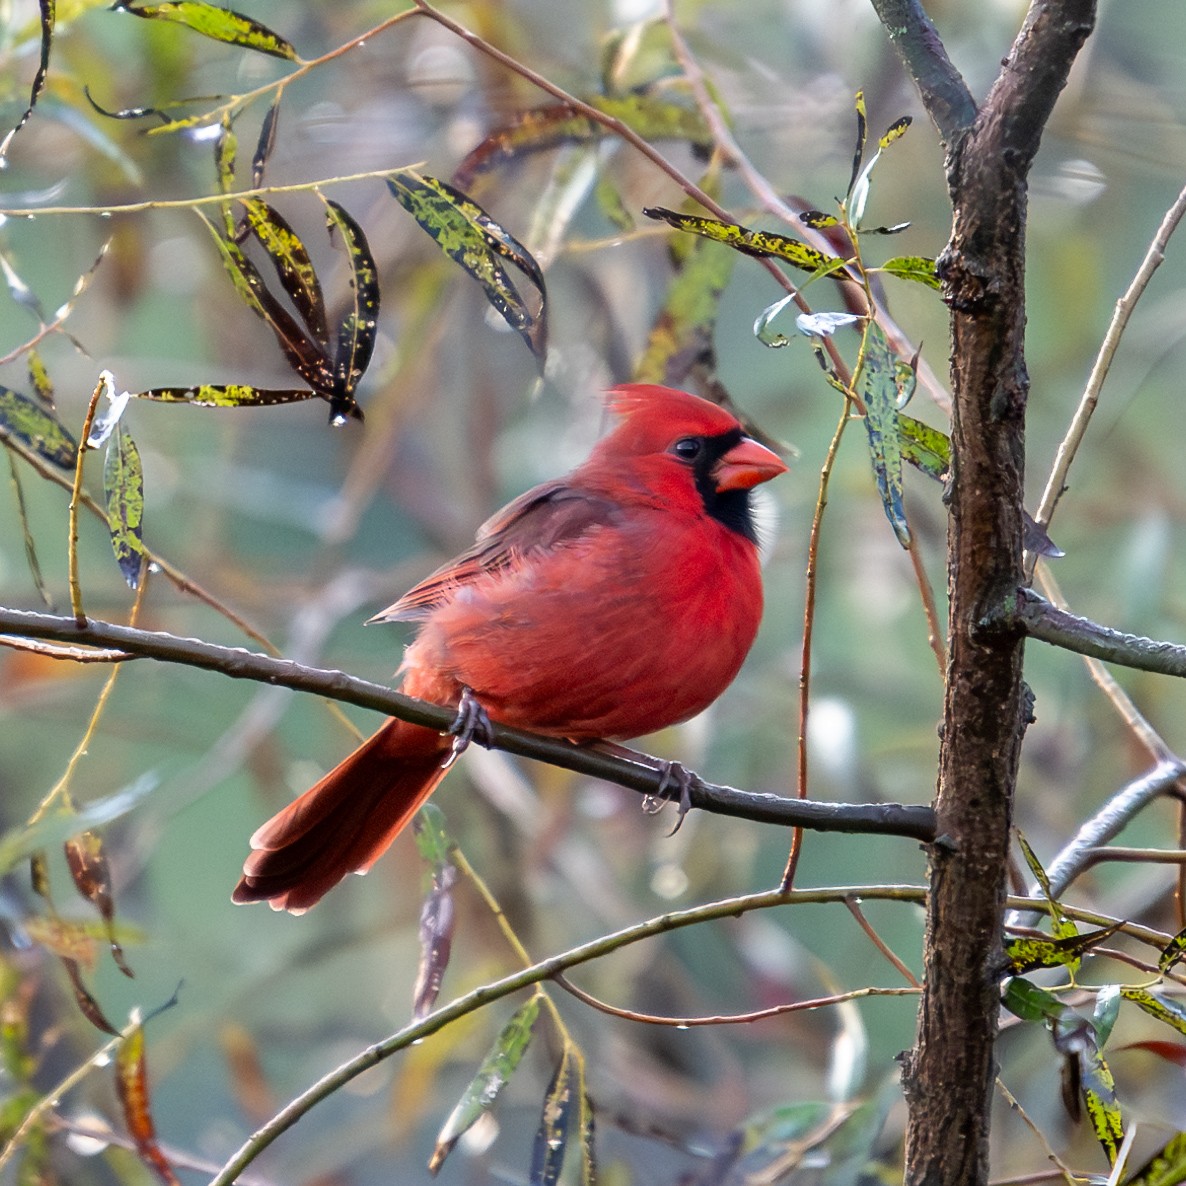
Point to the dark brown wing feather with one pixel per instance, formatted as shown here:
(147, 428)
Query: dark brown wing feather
(540, 520)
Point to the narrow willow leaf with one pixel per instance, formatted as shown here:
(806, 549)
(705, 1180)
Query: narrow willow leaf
(1074, 1038)
(493, 1075)
(750, 242)
(1063, 927)
(131, 1081)
(19, 842)
(1172, 952)
(1027, 954)
(825, 324)
(31, 424)
(927, 449)
(1028, 1001)
(65, 938)
(265, 143)
(86, 859)
(1101, 1103)
(356, 333)
(879, 393)
(818, 220)
(88, 1006)
(472, 239)
(682, 336)
(1037, 540)
(1167, 1167)
(551, 1138)
(20, 292)
(40, 381)
(230, 395)
(588, 1125)
(1107, 1009)
(310, 362)
(225, 148)
(48, 12)
(1166, 1009)
(858, 155)
(123, 486)
(896, 229)
(895, 131)
(919, 268)
(437, 914)
(219, 24)
(554, 124)
(762, 330)
(294, 268)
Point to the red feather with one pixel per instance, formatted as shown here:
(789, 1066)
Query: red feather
(608, 604)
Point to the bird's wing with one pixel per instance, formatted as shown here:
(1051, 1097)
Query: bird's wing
(544, 518)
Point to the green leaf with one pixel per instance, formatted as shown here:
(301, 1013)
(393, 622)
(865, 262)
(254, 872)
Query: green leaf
(749, 242)
(927, 449)
(356, 334)
(48, 11)
(858, 155)
(549, 126)
(551, 1138)
(1026, 1000)
(1027, 954)
(879, 391)
(303, 356)
(265, 143)
(1107, 1009)
(229, 395)
(123, 485)
(219, 24)
(682, 335)
(433, 841)
(294, 269)
(225, 148)
(1074, 1038)
(39, 380)
(1172, 952)
(818, 220)
(1169, 1010)
(1167, 1167)
(858, 193)
(472, 239)
(919, 268)
(35, 427)
(1063, 927)
(494, 1073)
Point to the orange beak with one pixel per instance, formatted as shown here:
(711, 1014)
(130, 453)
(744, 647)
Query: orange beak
(746, 464)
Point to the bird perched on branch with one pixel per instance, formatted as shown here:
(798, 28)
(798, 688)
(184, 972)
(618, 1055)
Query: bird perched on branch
(607, 604)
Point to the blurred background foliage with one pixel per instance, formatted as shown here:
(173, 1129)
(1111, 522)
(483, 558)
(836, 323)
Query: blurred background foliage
(306, 530)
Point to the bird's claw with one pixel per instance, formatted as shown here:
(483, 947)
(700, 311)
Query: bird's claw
(471, 724)
(677, 778)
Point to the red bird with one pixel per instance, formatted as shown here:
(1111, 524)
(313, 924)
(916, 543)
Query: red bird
(604, 605)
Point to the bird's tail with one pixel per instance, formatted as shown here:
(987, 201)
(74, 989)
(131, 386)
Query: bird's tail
(346, 822)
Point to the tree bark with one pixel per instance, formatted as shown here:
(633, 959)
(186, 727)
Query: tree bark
(949, 1074)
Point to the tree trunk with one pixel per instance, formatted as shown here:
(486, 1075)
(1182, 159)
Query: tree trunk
(949, 1074)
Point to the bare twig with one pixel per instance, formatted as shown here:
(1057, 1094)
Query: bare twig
(1056, 484)
(641, 775)
(854, 908)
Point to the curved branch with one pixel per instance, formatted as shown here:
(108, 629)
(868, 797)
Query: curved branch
(890, 819)
(944, 93)
(1042, 620)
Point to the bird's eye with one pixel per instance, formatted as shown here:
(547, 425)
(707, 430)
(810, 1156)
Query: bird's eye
(688, 448)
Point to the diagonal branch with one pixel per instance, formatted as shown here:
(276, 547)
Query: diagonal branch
(1042, 620)
(890, 819)
(944, 93)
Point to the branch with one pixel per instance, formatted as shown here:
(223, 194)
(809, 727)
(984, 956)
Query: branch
(943, 91)
(890, 819)
(1042, 620)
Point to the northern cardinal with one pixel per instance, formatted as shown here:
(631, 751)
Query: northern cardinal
(604, 605)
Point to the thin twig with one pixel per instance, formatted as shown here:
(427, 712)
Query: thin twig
(854, 908)
(1056, 484)
(683, 1023)
(1064, 1171)
(821, 502)
(104, 384)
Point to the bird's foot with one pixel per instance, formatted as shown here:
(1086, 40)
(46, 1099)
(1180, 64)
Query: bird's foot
(471, 724)
(675, 785)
